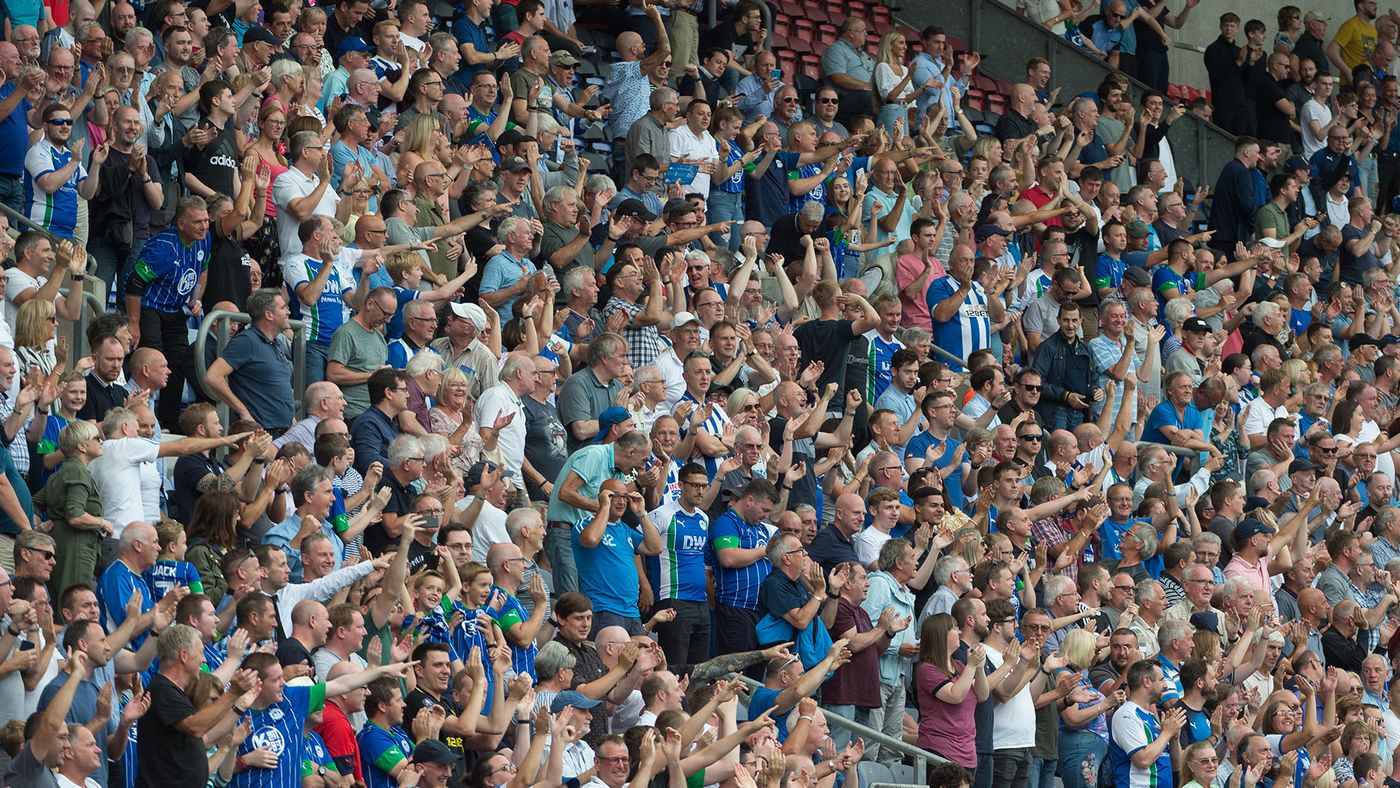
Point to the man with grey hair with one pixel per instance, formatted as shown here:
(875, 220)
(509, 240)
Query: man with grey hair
(1152, 605)
(174, 731)
(419, 326)
(889, 589)
(564, 242)
(323, 400)
(525, 527)
(424, 373)
(137, 550)
(954, 579)
(313, 494)
(584, 322)
(500, 413)
(650, 133)
(1174, 645)
(511, 273)
(303, 191)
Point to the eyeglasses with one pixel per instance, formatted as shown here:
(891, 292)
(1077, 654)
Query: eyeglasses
(1029, 387)
(828, 101)
(1124, 588)
(617, 759)
(60, 121)
(797, 551)
(47, 555)
(789, 100)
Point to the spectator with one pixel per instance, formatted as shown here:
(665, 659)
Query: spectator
(254, 375)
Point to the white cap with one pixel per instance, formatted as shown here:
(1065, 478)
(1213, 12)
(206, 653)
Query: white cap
(470, 313)
(681, 318)
(1272, 243)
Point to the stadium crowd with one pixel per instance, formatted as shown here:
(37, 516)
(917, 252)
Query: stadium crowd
(658, 404)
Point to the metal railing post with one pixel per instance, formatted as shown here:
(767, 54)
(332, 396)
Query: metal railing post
(921, 757)
(217, 321)
(79, 343)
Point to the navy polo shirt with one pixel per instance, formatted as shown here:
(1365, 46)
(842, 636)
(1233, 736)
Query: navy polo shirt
(262, 377)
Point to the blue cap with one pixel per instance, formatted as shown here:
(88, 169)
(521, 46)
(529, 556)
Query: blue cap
(355, 44)
(571, 698)
(610, 417)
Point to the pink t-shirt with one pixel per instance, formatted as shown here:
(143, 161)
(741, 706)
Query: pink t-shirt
(1256, 574)
(907, 271)
(946, 728)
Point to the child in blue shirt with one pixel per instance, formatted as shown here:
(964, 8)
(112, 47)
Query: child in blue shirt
(171, 568)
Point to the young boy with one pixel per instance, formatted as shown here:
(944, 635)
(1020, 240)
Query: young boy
(406, 271)
(334, 453)
(171, 568)
(72, 396)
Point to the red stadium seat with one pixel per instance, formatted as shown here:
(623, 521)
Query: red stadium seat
(782, 25)
(827, 34)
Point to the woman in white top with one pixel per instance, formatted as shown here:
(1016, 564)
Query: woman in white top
(892, 82)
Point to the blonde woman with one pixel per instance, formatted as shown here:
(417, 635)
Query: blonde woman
(309, 101)
(892, 82)
(422, 140)
(451, 415)
(36, 328)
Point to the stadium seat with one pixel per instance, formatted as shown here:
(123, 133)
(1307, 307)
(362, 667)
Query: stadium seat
(826, 34)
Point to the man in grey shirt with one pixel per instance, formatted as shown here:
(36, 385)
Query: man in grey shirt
(649, 134)
(849, 69)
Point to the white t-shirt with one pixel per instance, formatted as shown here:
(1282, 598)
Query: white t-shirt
(685, 145)
(490, 528)
(868, 544)
(511, 438)
(293, 185)
(121, 483)
(1013, 721)
(1313, 110)
(1259, 414)
(16, 282)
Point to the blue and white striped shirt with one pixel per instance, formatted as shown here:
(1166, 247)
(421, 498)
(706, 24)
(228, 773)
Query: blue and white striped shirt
(739, 587)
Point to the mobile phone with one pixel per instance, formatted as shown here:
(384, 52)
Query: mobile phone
(776, 74)
(430, 521)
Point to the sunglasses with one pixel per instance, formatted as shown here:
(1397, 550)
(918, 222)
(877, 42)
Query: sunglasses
(60, 121)
(1035, 437)
(828, 101)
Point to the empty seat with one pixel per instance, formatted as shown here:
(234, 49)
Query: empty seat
(826, 34)
(782, 25)
(812, 71)
(787, 61)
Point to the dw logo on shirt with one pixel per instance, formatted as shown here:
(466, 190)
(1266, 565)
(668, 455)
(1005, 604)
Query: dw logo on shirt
(270, 738)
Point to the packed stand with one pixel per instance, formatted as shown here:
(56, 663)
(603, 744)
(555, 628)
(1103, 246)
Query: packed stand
(657, 409)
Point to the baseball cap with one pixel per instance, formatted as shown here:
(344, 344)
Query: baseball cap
(474, 473)
(434, 751)
(514, 164)
(1361, 340)
(1315, 16)
(1137, 275)
(561, 57)
(261, 35)
(1256, 502)
(1299, 466)
(350, 44)
(677, 205)
(1296, 163)
(471, 313)
(1272, 243)
(634, 207)
(1137, 228)
(569, 698)
(1207, 620)
(610, 417)
(985, 231)
(1196, 324)
(682, 318)
(1249, 528)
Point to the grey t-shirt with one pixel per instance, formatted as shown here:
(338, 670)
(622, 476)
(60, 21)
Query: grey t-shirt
(546, 443)
(26, 770)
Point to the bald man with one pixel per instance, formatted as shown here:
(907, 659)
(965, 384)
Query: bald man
(324, 400)
(310, 626)
(604, 546)
(834, 544)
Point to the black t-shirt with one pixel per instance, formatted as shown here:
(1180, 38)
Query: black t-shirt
(421, 556)
(1014, 126)
(188, 471)
(335, 34)
(1272, 124)
(779, 594)
(228, 277)
(1312, 49)
(166, 755)
(418, 700)
(292, 652)
(827, 341)
(215, 164)
(400, 499)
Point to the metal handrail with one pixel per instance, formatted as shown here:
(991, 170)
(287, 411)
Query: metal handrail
(79, 342)
(921, 757)
(222, 317)
(93, 303)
